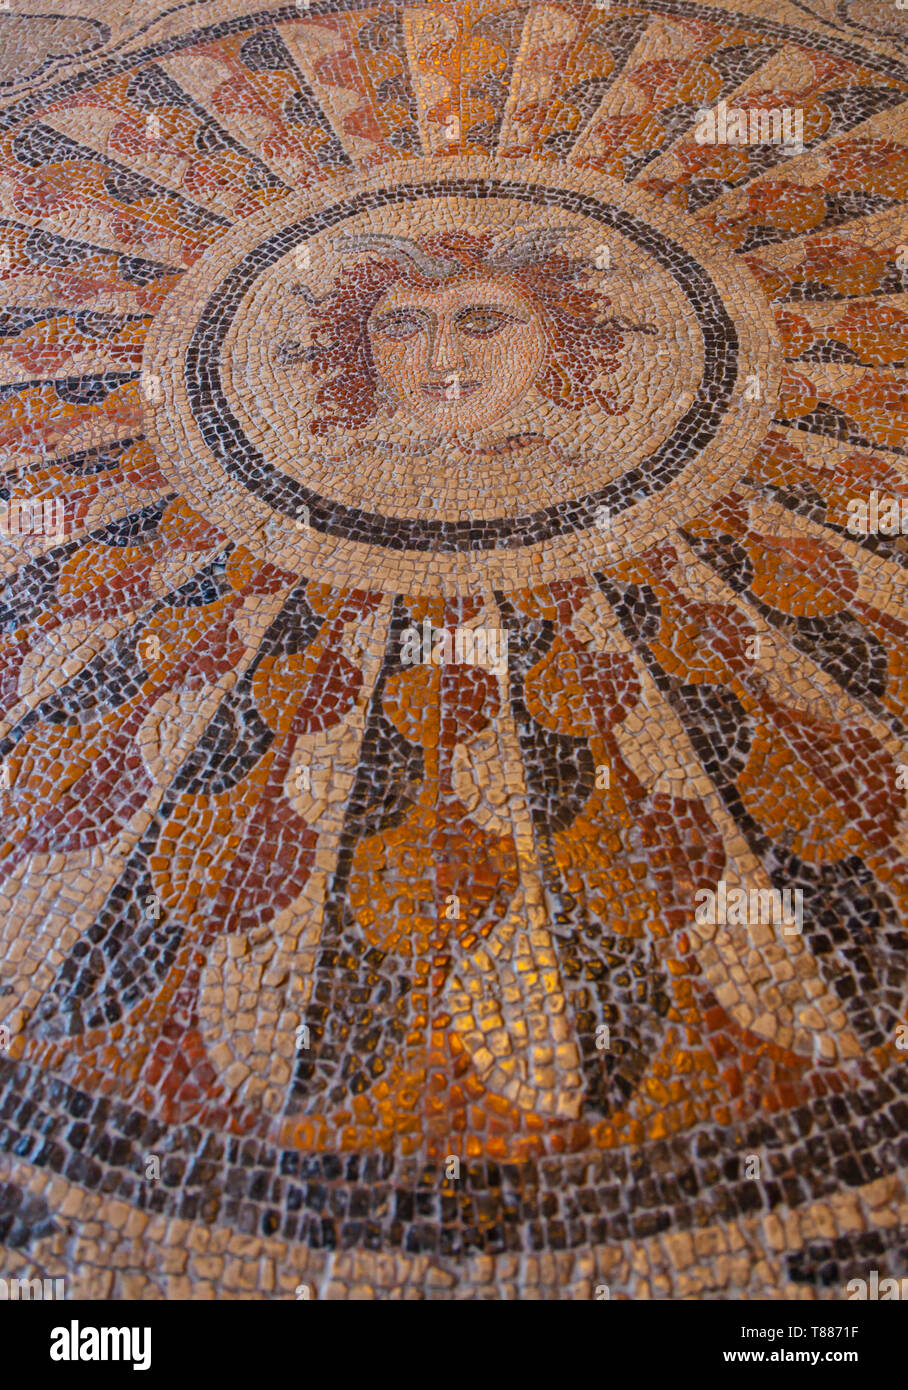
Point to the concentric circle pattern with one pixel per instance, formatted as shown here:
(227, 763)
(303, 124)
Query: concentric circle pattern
(454, 756)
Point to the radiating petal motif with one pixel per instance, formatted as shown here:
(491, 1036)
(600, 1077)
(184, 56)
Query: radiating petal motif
(454, 684)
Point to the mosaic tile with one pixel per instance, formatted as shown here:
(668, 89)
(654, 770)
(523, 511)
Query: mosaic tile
(453, 749)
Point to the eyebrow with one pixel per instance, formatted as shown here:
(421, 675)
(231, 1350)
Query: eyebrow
(404, 310)
(489, 309)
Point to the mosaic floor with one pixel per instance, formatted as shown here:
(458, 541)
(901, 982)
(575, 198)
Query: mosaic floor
(455, 651)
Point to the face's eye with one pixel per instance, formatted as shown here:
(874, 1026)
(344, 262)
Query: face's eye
(398, 324)
(483, 321)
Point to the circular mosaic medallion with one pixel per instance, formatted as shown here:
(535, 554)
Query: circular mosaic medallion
(461, 376)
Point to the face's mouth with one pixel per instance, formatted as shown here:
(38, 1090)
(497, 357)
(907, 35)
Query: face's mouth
(450, 391)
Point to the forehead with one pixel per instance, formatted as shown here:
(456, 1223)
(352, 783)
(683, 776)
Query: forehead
(461, 294)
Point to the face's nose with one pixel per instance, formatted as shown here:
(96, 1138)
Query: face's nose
(445, 349)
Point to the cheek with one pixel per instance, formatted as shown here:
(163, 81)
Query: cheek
(395, 358)
(517, 355)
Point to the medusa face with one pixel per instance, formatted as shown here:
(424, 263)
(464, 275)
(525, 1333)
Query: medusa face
(459, 356)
